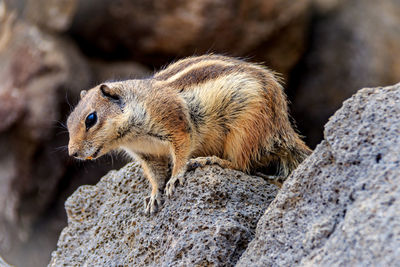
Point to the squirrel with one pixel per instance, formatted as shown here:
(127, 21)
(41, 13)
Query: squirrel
(202, 110)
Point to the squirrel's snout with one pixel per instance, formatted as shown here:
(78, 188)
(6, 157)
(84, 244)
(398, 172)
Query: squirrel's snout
(73, 152)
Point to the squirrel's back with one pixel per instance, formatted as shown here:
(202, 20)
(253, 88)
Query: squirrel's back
(237, 111)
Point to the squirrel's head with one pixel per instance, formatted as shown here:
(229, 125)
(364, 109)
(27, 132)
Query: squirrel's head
(95, 124)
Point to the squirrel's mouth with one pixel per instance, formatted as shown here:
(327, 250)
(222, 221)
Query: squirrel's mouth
(95, 154)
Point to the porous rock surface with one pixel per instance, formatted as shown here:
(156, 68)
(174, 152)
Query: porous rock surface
(3, 263)
(208, 222)
(341, 207)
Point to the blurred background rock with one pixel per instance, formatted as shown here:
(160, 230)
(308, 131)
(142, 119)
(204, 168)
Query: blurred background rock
(51, 49)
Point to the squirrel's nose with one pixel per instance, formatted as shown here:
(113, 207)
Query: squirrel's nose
(73, 152)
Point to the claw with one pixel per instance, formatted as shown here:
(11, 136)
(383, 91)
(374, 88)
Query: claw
(153, 203)
(181, 181)
(169, 189)
(172, 183)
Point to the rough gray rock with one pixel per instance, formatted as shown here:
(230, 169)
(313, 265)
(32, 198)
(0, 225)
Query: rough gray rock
(3, 263)
(208, 222)
(341, 207)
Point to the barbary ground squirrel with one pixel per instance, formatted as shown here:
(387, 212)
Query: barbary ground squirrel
(217, 109)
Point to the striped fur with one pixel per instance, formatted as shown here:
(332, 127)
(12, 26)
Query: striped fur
(198, 106)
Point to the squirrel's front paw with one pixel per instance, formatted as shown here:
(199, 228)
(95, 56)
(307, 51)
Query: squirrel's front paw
(153, 203)
(172, 183)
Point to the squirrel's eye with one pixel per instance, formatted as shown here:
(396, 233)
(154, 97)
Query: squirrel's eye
(91, 120)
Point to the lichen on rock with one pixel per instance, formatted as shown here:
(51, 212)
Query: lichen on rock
(208, 221)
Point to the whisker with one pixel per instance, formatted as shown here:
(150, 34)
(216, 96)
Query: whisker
(62, 132)
(67, 101)
(61, 148)
(60, 127)
(57, 150)
(112, 160)
(60, 124)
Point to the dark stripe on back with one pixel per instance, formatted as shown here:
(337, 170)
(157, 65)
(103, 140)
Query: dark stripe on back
(201, 75)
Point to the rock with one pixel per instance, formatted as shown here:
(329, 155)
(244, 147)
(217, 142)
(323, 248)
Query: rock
(341, 207)
(352, 46)
(3, 263)
(157, 31)
(34, 68)
(323, 7)
(40, 73)
(105, 71)
(30, 77)
(208, 221)
(54, 15)
(10, 108)
(36, 71)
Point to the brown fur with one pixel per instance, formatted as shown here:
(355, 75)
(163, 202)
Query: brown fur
(197, 107)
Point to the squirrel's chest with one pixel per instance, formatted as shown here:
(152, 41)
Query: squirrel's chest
(146, 145)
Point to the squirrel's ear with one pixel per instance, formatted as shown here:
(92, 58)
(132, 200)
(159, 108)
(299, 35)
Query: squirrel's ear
(105, 90)
(108, 92)
(83, 93)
